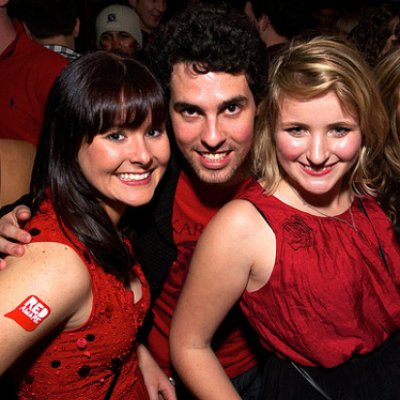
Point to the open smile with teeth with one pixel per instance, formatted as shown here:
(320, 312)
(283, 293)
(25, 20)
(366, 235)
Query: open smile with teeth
(134, 177)
(215, 156)
(317, 169)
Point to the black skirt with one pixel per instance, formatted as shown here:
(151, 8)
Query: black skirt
(375, 376)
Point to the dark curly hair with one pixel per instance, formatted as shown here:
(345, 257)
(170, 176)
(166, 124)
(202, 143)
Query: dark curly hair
(373, 30)
(211, 38)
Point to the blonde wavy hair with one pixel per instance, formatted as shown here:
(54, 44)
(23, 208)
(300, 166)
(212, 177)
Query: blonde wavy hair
(307, 69)
(387, 74)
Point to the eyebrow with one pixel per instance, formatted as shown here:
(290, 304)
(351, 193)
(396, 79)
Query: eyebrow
(182, 105)
(346, 123)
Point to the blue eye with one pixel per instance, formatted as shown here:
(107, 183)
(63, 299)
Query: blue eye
(295, 130)
(341, 130)
(117, 136)
(154, 132)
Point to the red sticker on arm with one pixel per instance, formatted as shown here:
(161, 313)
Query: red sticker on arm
(30, 313)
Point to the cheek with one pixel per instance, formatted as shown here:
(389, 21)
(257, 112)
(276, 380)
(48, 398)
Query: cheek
(244, 132)
(239, 130)
(105, 45)
(348, 149)
(288, 148)
(129, 44)
(184, 132)
(163, 152)
(94, 159)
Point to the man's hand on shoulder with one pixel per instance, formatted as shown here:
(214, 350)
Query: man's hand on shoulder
(12, 236)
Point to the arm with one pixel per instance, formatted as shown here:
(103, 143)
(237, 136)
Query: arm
(226, 261)
(61, 286)
(10, 231)
(157, 383)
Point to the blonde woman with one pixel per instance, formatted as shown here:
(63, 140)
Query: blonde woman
(306, 250)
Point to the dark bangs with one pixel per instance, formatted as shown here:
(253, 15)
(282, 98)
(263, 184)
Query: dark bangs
(118, 95)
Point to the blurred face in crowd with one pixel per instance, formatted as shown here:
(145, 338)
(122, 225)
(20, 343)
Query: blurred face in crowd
(392, 40)
(120, 41)
(150, 12)
(326, 17)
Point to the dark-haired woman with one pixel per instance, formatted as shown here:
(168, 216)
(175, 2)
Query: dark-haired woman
(71, 307)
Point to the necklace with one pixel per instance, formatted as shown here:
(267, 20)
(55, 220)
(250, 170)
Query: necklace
(352, 224)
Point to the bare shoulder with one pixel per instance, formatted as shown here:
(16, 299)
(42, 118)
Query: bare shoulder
(44, 289)
(239, 217)
(53, 269)
(240, 242)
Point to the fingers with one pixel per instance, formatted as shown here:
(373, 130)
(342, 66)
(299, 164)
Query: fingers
(152, 392)
(11, 234)
(11, 249)
(167, 393)
(22, 213)
(10, 226)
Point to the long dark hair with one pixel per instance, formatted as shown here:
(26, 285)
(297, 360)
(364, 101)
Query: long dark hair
(95, 93)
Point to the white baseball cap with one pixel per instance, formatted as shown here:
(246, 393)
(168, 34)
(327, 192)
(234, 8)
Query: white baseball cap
(118, 18)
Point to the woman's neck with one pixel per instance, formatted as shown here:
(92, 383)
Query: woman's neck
(331, 203)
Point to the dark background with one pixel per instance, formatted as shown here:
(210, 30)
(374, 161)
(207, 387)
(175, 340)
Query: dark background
(88, 9)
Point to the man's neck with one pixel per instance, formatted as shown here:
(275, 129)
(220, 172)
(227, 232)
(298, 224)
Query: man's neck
(60, 40)
(7, 30)
(272, 38)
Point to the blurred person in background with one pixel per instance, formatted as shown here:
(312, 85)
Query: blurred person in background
(52, 23)
(27, 73)
(151, 13)
(118, 29)
(376, 32)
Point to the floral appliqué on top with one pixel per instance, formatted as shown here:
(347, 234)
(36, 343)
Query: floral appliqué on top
(298, 233)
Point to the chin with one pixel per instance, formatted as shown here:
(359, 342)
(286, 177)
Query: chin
(214, 176)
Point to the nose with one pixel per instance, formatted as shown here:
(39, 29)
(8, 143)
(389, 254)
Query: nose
(139, 152)
(212, 135)
(116, 43)
(161, 5)
(318, 149)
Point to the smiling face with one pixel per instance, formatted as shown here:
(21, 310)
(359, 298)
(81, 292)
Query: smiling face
(150, 12)
(125, 166)
(317, 144)
(122, 41)
(212, 116)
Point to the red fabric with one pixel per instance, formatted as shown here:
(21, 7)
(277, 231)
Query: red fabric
(193, 208)
(27, 72)
(77, 364)
(330, 295)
